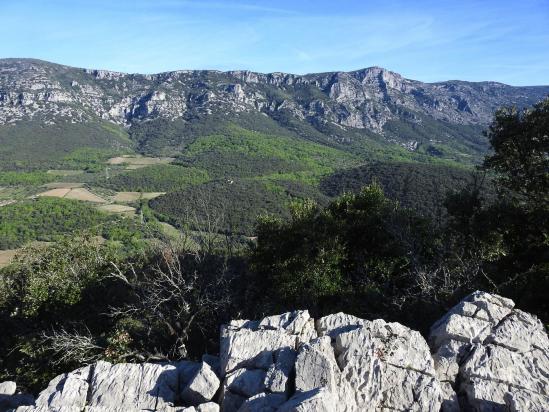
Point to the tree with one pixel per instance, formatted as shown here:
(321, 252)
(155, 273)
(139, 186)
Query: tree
(348, 256)
(512, 232)
(520, 140)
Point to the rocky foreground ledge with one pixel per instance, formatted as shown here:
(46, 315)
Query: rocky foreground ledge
(483, 355)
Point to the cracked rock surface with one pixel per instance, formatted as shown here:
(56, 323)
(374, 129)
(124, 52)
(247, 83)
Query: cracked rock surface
(352, 365)
(491, 357)
(483, 355)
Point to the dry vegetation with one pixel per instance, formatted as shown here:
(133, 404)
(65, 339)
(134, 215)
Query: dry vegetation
(136, 162)
(126, 197)
(117, 209)
(78, 193)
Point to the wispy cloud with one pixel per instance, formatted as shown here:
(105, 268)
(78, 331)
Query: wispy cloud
(429, 40)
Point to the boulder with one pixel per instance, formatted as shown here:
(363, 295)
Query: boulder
(186, 371)
(519, 400)
(277, 378)
(316, 366)
(214, 363)
(202, 387)
(384, 365)
(259, 356)
(317, 400)
(65, 392)
(490, 356)
(10, 400)
(208, 407)
(132, 386)
(251, 348)
(246, 382)
(333, 325)
(231, 402)
(263, 402)
(8, 388)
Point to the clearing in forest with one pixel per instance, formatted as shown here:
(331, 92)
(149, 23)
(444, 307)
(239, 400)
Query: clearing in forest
(63, 185)
(117, 209)
(6, 256)
(136, 162)
(78, 193)
(125, 197)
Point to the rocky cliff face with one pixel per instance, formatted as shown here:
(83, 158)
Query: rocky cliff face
(363, 99)
(483, 355)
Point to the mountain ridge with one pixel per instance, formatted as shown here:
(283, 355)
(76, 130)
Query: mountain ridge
(275, 72)
(341, 106)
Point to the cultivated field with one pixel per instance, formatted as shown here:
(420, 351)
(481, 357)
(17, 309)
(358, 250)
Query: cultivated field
(64, 173)
(126, 197)
(136, 162)
(117, 209)
(63, 185)
(60, 192)
(78, 193)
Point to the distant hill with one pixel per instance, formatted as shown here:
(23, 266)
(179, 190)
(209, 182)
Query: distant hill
(47, 110)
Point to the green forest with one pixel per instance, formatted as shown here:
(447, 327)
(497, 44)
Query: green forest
(51, 219)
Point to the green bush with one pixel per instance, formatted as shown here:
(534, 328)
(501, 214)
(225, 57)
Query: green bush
(348, 256)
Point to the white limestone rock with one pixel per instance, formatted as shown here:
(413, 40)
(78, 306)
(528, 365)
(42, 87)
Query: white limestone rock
(202, 387)
(278, 374)
(316, 366)
(231, 402)
(520, 332)
(249, 348)
(491, 371)
(507, 354)
(263, 402)
(484, 309)
(385, 364)
(133, 386)
(214, 363)
(519, 400)
(208, 407)
(297, 323)
(450, 402)
(10, 400)
(186, 370)
(8, 388)
(246, 382)
(66, 392)
(495, 357)
(316, 400)
(332, 325)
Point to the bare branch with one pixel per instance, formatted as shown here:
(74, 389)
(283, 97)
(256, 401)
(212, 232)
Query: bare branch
(72, 346)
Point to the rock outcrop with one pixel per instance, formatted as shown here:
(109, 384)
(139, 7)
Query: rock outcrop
(364, 99)
(483, 355)
(488, 354)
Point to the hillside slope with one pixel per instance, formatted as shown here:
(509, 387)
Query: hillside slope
(347, 109)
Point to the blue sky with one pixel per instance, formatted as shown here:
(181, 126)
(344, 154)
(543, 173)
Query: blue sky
(506, 41)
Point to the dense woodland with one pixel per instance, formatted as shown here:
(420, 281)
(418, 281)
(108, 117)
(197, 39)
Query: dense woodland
(369, 243)
(420, 187)
(51, 219)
